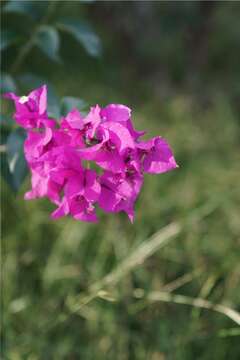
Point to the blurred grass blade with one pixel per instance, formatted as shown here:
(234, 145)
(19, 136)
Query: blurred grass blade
(105, 295)
(204, 292)
(229, 332)
(84, 34)
(47, 39)
(182, 280)
(196, 302)
(139, 255)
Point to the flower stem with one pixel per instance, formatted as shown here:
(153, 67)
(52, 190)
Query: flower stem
(27, 47)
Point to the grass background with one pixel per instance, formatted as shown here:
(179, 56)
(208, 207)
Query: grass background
(176, 65)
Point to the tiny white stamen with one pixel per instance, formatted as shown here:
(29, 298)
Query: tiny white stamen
(23, 99)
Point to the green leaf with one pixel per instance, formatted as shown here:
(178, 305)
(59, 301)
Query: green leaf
(47, 39)
(6, 123)
(5, 130)
(30, 81)
(68, 103)
(8, 37)
(13, 163)
(33, 9)
(7, 84)
(5, 173)
(84, 34)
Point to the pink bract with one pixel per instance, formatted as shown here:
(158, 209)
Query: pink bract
(31, 110)
(60, 155)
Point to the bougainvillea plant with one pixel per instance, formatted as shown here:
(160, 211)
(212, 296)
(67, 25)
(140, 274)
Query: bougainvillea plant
(81, 161)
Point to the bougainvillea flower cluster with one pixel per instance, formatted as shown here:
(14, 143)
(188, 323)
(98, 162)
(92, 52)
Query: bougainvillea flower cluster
(80, 162)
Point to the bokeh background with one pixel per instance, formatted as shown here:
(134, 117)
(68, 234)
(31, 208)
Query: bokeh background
(176, 64)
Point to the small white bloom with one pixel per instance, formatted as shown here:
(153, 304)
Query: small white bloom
(23, 99)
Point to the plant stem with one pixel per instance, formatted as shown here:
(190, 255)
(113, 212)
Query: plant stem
(27, 47)
(23, 54)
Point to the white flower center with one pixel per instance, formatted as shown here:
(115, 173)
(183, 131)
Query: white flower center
(23, 99)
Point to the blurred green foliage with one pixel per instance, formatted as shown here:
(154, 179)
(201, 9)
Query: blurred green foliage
(176, 65)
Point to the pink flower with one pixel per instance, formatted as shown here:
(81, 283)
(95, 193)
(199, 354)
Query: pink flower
(105, 138)
(31, 110)
(35, 144)
(81, 191)
(122, 114)
(73, 120)
(43, 186)
(119, 192)
(113, 139)
(158, 157)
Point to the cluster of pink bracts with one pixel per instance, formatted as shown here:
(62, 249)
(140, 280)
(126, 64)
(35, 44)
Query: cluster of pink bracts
(83, 161)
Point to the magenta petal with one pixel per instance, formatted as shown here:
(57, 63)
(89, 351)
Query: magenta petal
(127, 207)
(39, 187)
(53, 191)
(74, 186)
(47, 136)
(81, 209)
(110, 160)
(43, 100)
(91, 152)
(116, 112)
(47, 123)
(75, 120)
(108, 199)
(62, 210)
(77, 204)
(39, 96)
(93, 115)
(134, 133)
(31, 110)
(122, 114)
(91, 121)
(119, 135)
(146, 145)
(59, 175)
(125, 189)
(93, 188)
(137, 183)
(160, 159)
(35, 142)
(11, 96)
(32, 145)
(86, 216)
(43, 186)
(130, 214)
